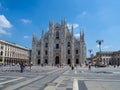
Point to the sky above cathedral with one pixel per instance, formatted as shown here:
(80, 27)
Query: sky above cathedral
(20, 19)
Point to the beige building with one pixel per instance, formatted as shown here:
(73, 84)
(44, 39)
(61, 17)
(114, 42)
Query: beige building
(116, 58)
(13, 53)
(107, 58)
(58, 46)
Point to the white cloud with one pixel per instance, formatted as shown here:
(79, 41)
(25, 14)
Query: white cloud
(77, 35)
(25, 21)
(97, 46)
(26, 37)
(4, 32)
(75, 25)
(82, 14)
(4, 24)
(107, 47)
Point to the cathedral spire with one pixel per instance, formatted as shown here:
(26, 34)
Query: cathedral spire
(51, 25)
(64, 21)
(82, 35)
(34, 39)
(42, 31)
(72, 30)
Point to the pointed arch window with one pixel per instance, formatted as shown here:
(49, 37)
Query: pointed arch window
(77, 61)
(68, 51)
(76, 51)
(38, 52)
(57, 46)
(46, 52)
(57, 35)
(46, 45)
(38, 61)
(68, 44)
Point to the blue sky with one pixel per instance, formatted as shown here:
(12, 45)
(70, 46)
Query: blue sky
(19, 19)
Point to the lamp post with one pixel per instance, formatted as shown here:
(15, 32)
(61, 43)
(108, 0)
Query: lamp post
(99, 43)
(90, 50)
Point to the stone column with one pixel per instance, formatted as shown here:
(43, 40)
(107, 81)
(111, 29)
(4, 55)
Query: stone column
(72, 50)
(42, 47)
(50, 50)
(64, 53)
(63, 49)
(33, 56)
(42, 51)
(51, 42)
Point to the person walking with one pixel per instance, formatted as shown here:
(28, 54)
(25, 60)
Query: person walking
(72, 67)
(22, 67)
(89, 66)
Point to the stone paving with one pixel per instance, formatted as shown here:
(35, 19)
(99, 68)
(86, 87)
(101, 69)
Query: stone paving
(54, 78)
(36, 79)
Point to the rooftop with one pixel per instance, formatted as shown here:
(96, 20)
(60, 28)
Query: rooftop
(14, 44)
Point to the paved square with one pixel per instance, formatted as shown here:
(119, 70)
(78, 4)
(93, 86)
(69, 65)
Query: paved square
(54, 78)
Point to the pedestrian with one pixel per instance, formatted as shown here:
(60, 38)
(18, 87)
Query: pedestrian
(31, 65)
(114, 66)
(89, 66)
(117, 65)
(95, 65)
(72, 67)
(52, 65)
(22, 67)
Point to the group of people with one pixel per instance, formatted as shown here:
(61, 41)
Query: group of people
(23, 65)
(15, 67)
(73, 66)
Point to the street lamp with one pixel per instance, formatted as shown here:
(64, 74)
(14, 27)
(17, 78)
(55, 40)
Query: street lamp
(99, 43)
(90, 50)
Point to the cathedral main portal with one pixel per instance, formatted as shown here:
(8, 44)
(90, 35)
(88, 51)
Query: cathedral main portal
(57, 60)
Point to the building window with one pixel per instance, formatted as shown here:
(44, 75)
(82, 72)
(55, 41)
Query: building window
(1, 53)
(76, 51)
(39, 52)
(57, 35)
(69, 61)
(68, 44)
(0, 60)
(77, 61)
(46, 61)
(57, 46)
(45, 52)
(38, 61)
(68, 51)
(5, 53)
(46, 45)
(1, 47)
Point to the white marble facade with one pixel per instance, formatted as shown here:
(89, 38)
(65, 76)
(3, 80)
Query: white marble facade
(58, 46)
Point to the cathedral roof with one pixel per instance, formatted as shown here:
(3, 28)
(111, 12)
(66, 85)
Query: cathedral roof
(57, 26)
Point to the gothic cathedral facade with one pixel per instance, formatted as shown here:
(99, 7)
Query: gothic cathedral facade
(58, 46)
